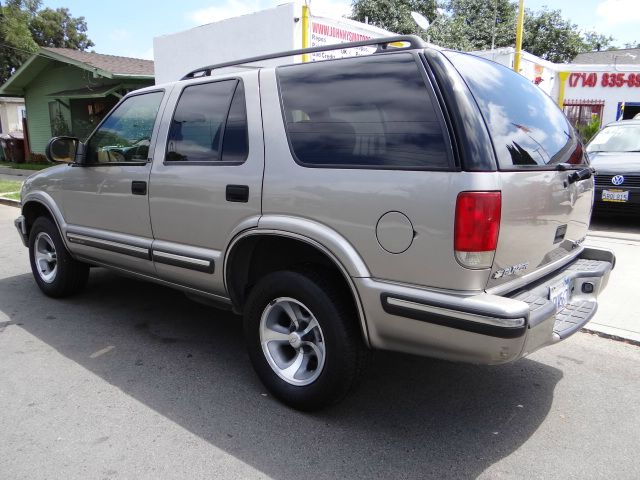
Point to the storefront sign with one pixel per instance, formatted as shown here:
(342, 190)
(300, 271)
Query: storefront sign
(328, 31)
(613, 79)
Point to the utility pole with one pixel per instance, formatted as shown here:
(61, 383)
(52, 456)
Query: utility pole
(519, 28)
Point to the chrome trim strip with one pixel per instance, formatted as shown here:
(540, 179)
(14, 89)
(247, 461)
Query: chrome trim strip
(498, 322)
(117, 247)
(182, 258)
(130, 273)
(200, 264)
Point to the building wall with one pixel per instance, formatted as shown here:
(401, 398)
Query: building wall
(57, 77)
(259, 33)
(54, 78)
(577, 90)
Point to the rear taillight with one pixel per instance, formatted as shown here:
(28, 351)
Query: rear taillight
(476, 228)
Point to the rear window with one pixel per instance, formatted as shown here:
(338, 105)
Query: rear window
(367, 112)
(527, 127)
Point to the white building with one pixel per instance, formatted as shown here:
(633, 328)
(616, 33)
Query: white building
(267, 31)
(608, 90)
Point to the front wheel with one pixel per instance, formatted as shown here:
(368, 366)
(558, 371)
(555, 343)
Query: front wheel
(303, 339)
(55, 271)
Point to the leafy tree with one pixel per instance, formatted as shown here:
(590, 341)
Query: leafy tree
(548, 35)
(14, 32)
(595, 42)
(57, 28)
(24, 26)
(481, 24)
(394, 16)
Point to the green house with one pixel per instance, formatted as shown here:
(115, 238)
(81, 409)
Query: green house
(68, 92)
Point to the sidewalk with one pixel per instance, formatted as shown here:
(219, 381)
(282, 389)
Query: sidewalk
(7, 173)
(614, 317)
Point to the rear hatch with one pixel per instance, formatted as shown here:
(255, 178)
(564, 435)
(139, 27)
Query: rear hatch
(546, 184)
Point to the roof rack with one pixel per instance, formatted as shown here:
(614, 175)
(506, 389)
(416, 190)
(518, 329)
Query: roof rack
(382, 43)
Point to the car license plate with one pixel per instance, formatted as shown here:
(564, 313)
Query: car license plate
(615, 195)
(559, 293)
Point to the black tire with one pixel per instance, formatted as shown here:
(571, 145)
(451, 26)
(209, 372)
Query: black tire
(70, 277)
(345, 355)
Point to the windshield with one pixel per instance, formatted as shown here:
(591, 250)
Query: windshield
(616, 138)
(527, 127)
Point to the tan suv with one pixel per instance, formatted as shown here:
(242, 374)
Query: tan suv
(415, 200)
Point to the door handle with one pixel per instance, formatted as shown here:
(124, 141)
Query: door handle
(238, 193)
(139, 187)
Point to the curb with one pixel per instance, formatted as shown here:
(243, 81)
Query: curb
(11, 203)
(611, 336)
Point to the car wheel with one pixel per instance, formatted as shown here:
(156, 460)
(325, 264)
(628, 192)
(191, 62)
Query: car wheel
(55, 272)
(303, 339)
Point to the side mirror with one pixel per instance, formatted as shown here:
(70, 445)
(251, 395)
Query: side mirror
(62, 149)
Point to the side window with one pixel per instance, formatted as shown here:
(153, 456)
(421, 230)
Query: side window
(368, 112)
(125, 136)
(209, 124)
(527, 127)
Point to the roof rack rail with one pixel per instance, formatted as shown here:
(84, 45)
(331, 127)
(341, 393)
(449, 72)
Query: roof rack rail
(382, 43)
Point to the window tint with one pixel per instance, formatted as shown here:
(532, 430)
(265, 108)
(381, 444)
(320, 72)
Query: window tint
(125, 135)
(367, 112)
(235, 144)
(527, 127)
(208, 116)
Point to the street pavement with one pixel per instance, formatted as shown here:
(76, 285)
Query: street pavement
(132, 380)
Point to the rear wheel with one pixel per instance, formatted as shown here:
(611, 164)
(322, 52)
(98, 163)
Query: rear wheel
(303, 339)
(55, 271)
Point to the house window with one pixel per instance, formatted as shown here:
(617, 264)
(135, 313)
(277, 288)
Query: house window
(60, 118)
(583, 112)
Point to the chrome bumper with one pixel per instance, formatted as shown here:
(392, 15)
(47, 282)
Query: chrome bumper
(484, 328)
(21, 225)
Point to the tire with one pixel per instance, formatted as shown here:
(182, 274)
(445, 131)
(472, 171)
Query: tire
(56, 273)
(330, 352)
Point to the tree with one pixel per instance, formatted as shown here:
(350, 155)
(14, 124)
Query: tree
(595, 42)
(57, 28)
(24, 26)
(394, 16)
(481, 24)
(548, 35)
(16, 43)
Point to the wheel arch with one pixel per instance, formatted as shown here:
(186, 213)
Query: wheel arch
(37, 204)
(245, 262)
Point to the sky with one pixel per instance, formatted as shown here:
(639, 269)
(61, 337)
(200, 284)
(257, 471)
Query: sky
(127, 27)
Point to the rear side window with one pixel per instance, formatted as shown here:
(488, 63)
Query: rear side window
(373, 112)
(209, 124)
(527, 127)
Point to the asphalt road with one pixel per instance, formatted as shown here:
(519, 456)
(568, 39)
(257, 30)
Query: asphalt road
(131, 381)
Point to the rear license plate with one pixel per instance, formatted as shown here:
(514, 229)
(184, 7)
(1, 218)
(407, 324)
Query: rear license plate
(559, 293)
(615, 195)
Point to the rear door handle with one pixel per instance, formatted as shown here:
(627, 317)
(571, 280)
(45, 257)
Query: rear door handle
(238, 193)
(139, 187)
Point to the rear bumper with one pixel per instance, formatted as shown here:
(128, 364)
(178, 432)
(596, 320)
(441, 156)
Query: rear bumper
(484, 328)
